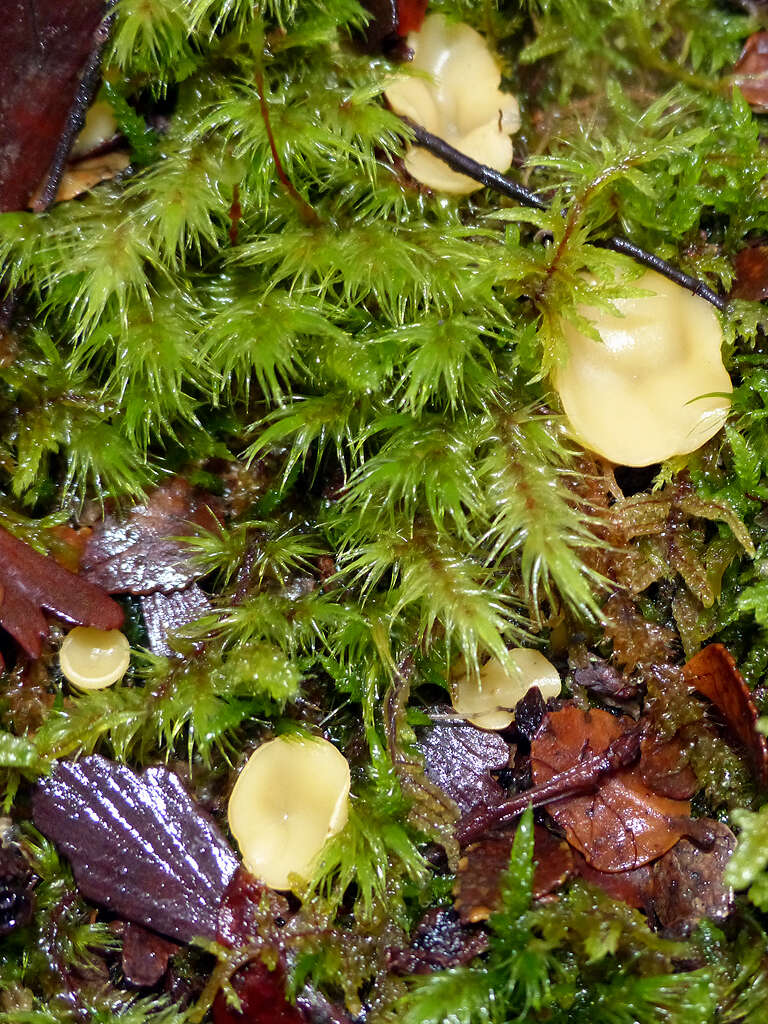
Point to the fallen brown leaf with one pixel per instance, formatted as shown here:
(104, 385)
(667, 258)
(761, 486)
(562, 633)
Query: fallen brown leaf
(31, 583)
(751, 71)
(623, 824)
(714, 674)
(751, 266)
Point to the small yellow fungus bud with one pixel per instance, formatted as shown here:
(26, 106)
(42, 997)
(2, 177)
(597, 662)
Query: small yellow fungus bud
(637, 398)
(100, 126)
(489, 701)
(460, 102)
(291, 796)
(93, 659)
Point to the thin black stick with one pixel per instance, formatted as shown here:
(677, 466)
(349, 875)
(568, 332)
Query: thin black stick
(492, 179)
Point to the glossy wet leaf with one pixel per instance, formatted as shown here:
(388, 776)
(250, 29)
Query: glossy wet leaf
(623, 824)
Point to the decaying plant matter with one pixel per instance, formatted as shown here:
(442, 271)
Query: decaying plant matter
(293, 412)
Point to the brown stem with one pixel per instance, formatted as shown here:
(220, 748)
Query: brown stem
(582, 778)
(306, 212)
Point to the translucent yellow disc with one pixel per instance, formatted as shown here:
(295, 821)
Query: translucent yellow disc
(93, 659)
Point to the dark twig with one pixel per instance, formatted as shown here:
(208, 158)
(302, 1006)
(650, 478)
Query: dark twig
(463, 164)
(583, 778)
(86, 89)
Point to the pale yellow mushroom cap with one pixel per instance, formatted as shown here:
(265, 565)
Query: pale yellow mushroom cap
(636, 398)
(100, 126)
(93, 659)
(460, 102)
(290, 797)
(488, 701)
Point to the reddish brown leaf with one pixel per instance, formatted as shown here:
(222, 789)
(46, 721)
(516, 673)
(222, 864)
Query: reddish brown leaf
(137, 553)
(751, 71)
(665, 768)
(45, 45)
(751, 266)
(478, 882)
(145, 955)
(687, 883)
(632, 887)
(31, 583)
(411, 14)
(623, 824)
(262, 999)
(249, 908)
(714, 674)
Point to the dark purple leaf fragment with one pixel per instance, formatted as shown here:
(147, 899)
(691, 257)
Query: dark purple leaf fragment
(604, 680)
(529, 713)
(145, 955)
(138, 844)
(439, 941)
(16, 882)
(687, 883)
(478, 882)
(45, 46)
(165, 613)
(31, 582)
(459, 758)
(139, 553)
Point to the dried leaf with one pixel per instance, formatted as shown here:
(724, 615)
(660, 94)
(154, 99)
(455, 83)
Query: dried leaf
(623, 824)
(30, 582)
(688, 885)
(605, 680)
(714, 674)
(45, 45)
(138, 844)
(83, 175)
(478, 882)
(459, 758)
(139, 553)
(665, 768)
(751, 71)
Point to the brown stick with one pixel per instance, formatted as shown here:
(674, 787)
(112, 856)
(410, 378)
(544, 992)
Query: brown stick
(583, 778)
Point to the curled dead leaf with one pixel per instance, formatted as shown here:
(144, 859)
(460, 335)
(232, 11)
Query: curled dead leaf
(714, 674)
(751, 71)
(621, 825)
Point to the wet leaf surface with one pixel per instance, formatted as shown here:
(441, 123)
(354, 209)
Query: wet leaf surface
(165, 613)
(751, 71)
(751, 266)
(714, 674)
(145, 955)
(31, 583)
(665, 769)
(631, 887)
(459, 758)
(687, 883)
(138, 844)
(249, 909)
(623, 824)
(440, 940)
(138, 553)
(45, 45)
(262, 999)
(478, 883)
(16, 883)
(604, 680)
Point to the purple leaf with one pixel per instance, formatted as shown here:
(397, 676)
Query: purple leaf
(138, 844)
(459, 758)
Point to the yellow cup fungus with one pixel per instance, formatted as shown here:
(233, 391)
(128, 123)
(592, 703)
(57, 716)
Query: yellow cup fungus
(93, 659)
(458, 99)
(290, 797)
(656, 386)
(488, 700)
